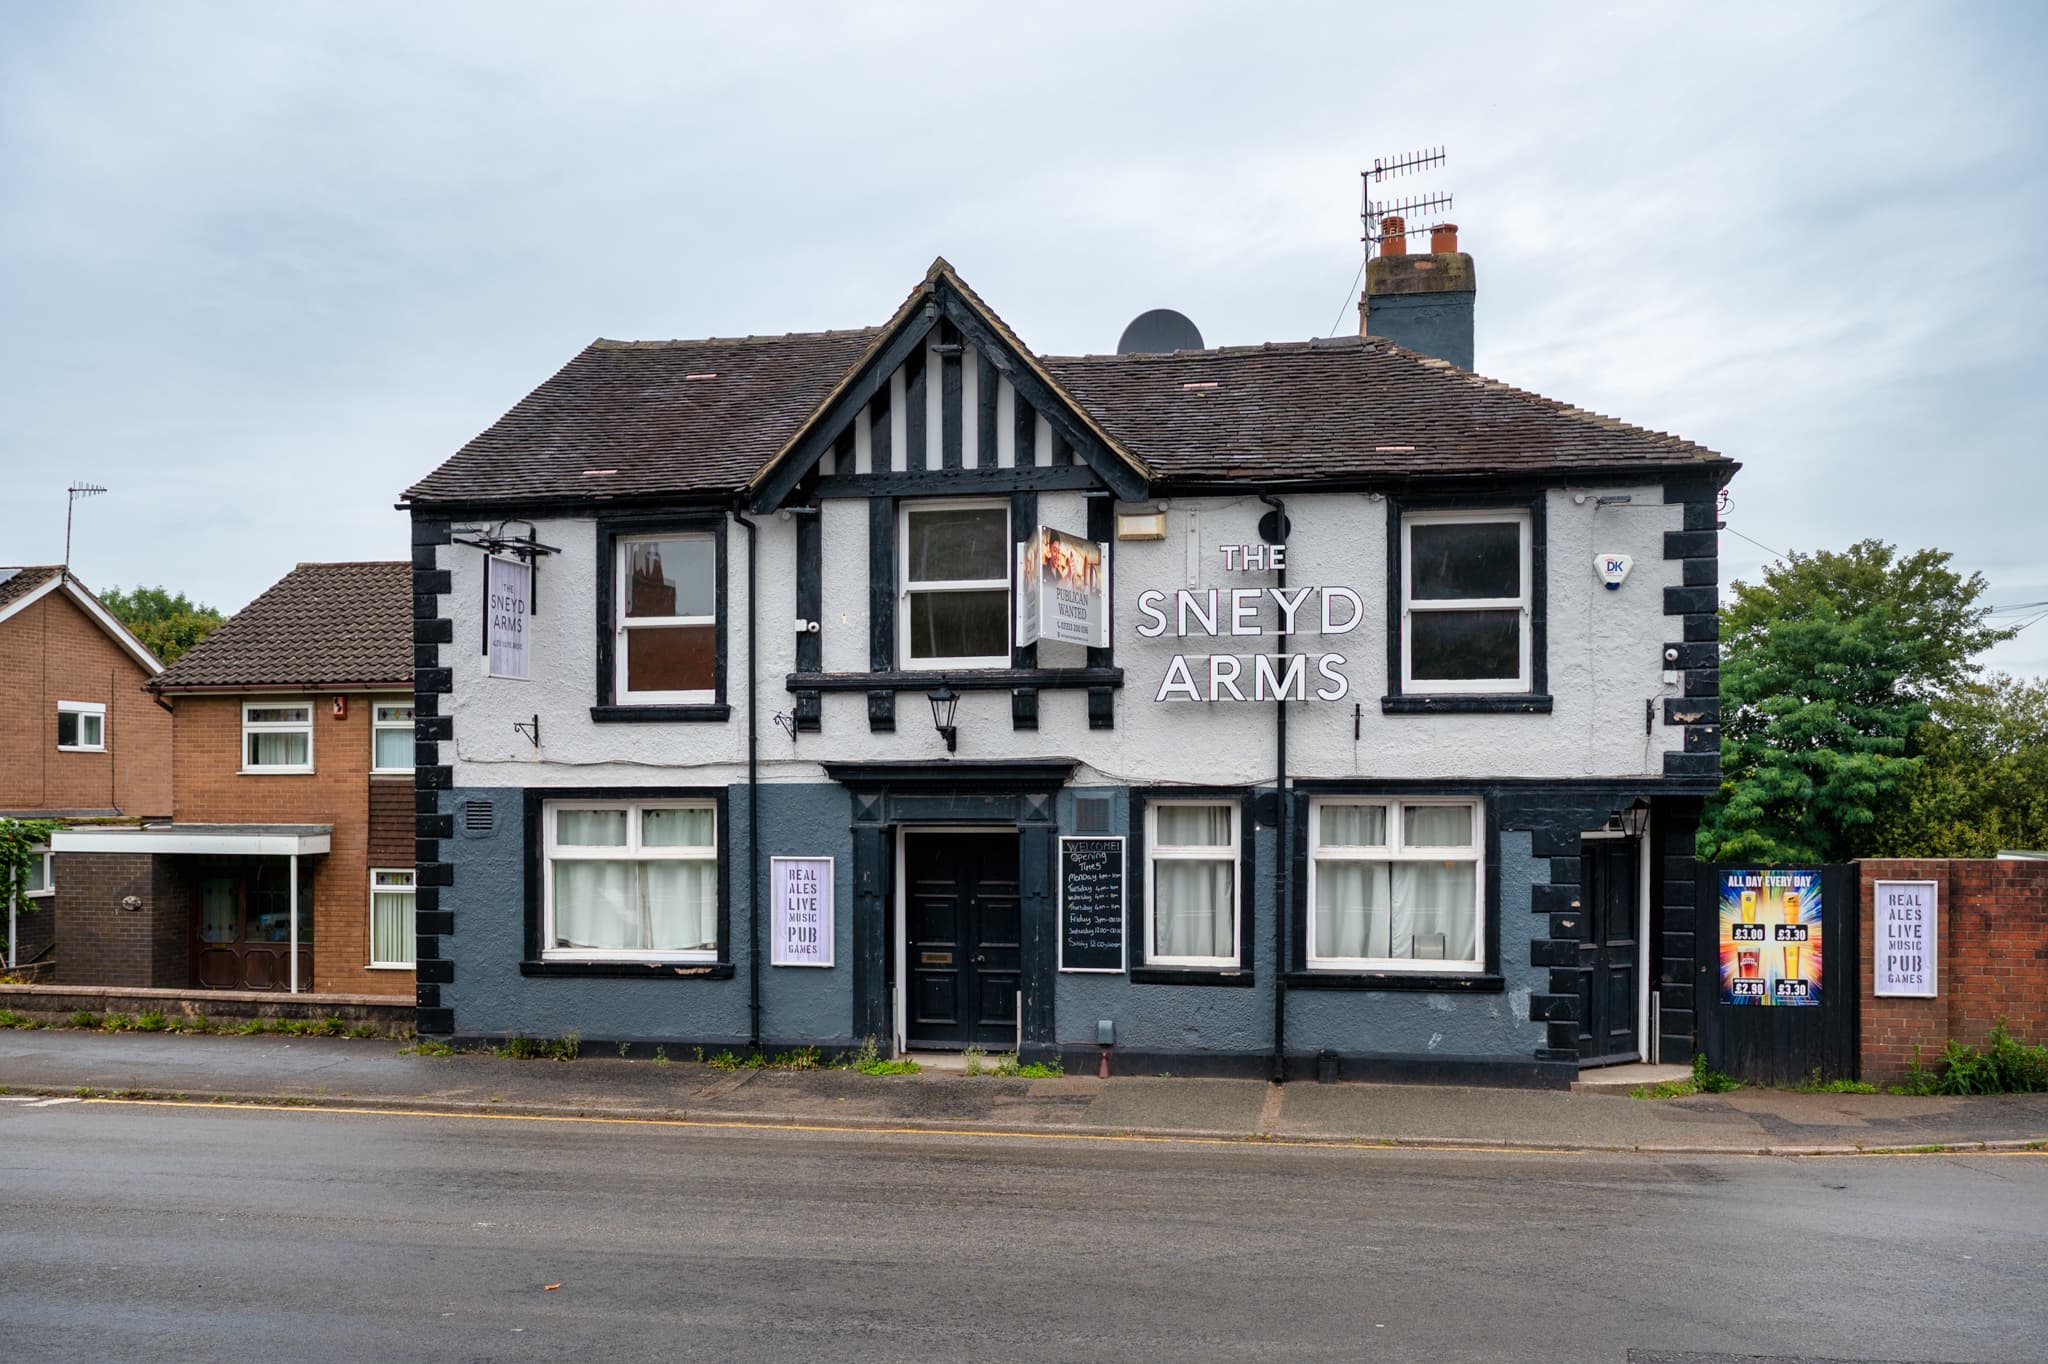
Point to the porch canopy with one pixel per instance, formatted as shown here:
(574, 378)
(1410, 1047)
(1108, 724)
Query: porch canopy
(211, 840)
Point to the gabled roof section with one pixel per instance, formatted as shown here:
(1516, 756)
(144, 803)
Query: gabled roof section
(942, 294)
(321, 625)
(629, 419)
(22, 587)
(1347, 407)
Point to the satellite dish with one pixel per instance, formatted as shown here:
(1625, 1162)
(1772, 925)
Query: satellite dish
(1159, 332)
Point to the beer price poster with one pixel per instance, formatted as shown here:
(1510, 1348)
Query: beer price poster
(801, 893)
(1770, 937)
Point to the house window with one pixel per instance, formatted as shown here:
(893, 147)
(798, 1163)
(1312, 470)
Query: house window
(631, 881)
(955, 579)
(391, 922)
(1191, 884)
(277, 738)
(81, 727)
(1465, 610)
(42, 874)
(391, 738)
(666, 595)
(1395, 885)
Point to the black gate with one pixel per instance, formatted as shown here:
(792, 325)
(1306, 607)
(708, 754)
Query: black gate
(1778, 973)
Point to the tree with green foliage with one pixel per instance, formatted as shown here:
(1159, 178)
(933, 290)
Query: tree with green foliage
(19, 838)
(1982, 784)
(167, 625)
(1830, 669)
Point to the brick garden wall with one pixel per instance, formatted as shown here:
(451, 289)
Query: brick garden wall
(101, 941)
(50, 652)
(1993, 960)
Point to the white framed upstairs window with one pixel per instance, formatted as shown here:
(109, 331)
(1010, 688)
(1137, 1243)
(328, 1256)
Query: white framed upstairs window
(392, 941)
(1396, 885)
(953, 573)
(42, 874)
(277, 736)
(391, 737)
(81, 727)
(1191, 884)
(1465, 602)
(630, 881)
(666, 618)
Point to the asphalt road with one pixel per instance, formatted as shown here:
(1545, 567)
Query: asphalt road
(145, 1232)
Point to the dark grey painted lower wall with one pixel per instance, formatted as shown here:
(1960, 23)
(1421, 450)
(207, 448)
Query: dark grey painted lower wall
(1460, 1032)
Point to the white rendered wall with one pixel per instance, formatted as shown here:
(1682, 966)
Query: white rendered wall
(1604, 663)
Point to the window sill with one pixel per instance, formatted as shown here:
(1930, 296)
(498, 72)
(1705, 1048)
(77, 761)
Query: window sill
(631, 970)
(275, 772)
(1469, 703)
(391, 772)
(1445, 982)
(1188, 975)
(636, 714)
(978, 679)
(388, 966)
(79, 748)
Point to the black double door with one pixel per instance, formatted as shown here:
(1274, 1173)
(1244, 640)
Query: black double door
(962, 950)
(1610, 955)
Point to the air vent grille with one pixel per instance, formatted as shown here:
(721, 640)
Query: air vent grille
(476, 816)
(1092, 815)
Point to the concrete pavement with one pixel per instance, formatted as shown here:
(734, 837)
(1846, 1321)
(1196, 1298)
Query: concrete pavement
(349, 1073)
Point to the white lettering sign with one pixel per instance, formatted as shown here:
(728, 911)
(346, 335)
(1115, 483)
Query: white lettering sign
(800, 889)
(1240, 613)
(508, 606)
(1904, 917)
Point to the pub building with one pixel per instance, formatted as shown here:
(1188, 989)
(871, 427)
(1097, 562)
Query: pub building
(1315, 708)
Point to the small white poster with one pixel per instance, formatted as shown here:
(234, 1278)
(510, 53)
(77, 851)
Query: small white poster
(1904, 920)
(508, 603)
(800, 889)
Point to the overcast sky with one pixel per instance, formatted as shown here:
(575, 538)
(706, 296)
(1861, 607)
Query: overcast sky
(263, 265)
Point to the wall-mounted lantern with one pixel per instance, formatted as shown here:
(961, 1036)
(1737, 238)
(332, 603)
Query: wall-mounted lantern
(945, 701)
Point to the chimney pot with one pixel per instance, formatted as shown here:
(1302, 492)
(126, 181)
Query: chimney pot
(1393, 237)
(1443, 239)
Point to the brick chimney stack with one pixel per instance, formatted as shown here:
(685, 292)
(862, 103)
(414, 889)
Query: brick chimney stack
(1421, 301)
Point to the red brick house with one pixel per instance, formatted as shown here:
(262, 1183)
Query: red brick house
(79, 737)
(288, 861)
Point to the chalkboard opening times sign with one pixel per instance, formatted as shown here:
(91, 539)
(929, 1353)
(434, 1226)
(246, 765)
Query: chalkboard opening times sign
(1091, 889)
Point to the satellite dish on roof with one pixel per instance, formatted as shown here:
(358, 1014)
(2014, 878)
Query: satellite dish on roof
(1159, 332)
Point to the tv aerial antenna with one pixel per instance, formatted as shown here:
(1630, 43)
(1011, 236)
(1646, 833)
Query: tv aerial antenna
(1373, 213)
(71, 496)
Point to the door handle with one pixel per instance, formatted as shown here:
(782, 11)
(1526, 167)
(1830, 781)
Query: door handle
(980, 960)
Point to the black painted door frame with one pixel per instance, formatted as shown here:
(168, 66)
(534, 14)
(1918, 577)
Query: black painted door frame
(1614, 954)
(984, 945)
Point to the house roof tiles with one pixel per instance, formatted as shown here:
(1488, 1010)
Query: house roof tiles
(626, 419)
(16, 583)
(347, 624)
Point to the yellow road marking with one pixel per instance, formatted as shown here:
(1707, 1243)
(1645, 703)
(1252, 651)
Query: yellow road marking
(1307, 1143)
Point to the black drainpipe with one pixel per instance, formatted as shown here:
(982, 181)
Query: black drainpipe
(1283, 871)
(753, 790)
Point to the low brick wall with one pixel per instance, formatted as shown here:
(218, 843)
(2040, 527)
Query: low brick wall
(56, 1003)
(1993, 960)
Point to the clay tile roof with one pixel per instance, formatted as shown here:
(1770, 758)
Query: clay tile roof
(319, 625)
(1345, 406)
(16, 583)
(654, 416)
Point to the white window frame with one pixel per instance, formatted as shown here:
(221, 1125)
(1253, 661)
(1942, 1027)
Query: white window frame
(250, 727)
(82, 709)
(1230, 854)
(905, 588)
(553, 852)
(49, 874)
(621, 581)
(411, 890)
(1522, 681)
(1392, 853)
(379, 723)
